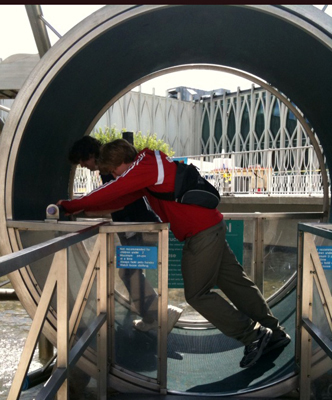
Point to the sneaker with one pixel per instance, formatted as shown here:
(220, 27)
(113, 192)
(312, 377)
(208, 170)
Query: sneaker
(173, 314)
(142, 326)
(253, 351)
(279, 339)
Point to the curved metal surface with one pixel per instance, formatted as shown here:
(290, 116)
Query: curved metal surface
(108, 53)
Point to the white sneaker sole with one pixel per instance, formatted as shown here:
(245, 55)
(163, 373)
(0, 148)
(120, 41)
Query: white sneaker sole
(173, 315)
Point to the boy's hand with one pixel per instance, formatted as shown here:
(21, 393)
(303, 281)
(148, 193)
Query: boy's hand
(62, 209)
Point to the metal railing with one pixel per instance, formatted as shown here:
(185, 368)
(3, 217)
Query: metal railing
(312, 278)
(281, 171)
(284, 171)
(86, 180)
(57, 281)
(99, 270)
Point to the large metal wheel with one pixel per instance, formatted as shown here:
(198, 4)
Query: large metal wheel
(117, 48)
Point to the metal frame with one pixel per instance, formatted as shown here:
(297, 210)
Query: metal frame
(257, 273)
(310, 271)
(100, 267)
(102, 254)
(38, 26)
(57, 281)
(258, 245)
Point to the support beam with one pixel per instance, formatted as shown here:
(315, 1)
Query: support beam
(38, 28)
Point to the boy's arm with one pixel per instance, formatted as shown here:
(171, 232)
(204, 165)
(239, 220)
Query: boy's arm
(101, 213)
(124, 190)
(98, 203)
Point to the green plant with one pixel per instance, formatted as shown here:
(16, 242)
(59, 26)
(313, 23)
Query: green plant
(140, 141)
(106, 135)
(151, 142)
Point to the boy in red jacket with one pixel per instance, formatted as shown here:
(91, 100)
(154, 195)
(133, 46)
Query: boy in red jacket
(207, 260)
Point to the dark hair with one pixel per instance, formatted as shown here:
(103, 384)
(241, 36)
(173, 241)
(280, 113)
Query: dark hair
(114, 153)
(83, 149)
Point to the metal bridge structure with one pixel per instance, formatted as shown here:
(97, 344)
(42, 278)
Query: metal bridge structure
(63, 98)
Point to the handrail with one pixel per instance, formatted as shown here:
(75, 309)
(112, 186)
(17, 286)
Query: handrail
(324, 342)
(4, 108)
(11, 262)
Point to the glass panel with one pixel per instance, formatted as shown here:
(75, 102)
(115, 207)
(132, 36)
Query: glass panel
(136, 305)
(321, 373)
(80, 272)
(248, 244)
(39, 268)
(280, 253)
(80, 383)
(78, 258)
(321, 385)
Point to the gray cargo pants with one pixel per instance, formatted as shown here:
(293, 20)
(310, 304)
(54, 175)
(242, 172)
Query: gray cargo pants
(207, 261)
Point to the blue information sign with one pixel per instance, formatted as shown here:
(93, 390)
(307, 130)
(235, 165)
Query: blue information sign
(325, 255)
(142, 257)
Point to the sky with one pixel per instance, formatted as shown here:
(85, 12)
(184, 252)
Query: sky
(64, 17)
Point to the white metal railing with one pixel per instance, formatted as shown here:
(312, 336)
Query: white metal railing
(283, 171)
(86, 180)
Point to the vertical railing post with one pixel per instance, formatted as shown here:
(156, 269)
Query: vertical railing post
(306, 312)
(62, 320)
(269, 172)
(89, 175)
(111, 299)
(102, 301)
(162, 309)
(258, 271)
(299, 293)
(233, 173)
(311, 151)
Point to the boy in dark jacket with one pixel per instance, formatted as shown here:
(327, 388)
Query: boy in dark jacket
(85, 152)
